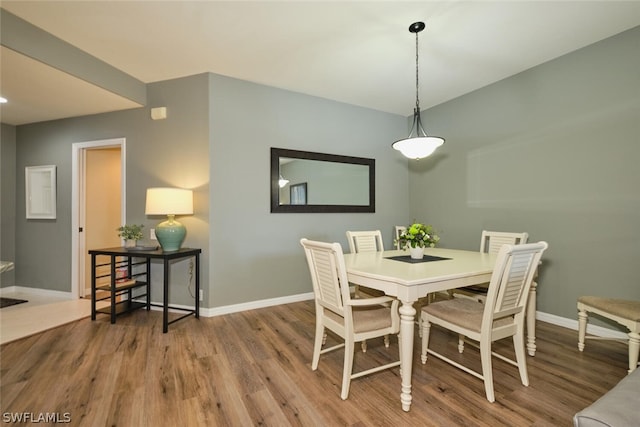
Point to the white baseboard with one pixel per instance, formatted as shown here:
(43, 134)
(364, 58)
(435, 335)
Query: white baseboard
(236, 308)
(218, 311)
(36, 291)
(564, 322)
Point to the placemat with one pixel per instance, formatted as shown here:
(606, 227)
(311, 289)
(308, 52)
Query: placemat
(426, 258)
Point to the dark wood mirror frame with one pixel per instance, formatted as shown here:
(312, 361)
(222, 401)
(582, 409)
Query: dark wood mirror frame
(276, 207)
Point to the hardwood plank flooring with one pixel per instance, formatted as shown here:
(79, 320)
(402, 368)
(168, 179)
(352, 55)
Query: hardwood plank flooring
(253, 369)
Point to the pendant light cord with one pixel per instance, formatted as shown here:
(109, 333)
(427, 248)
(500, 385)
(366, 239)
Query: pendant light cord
(417, 74)
(421, 145)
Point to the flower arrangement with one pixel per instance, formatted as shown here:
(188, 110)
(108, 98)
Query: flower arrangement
(418, 236)
(131, 232)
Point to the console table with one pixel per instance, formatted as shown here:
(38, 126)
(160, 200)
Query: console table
(127, 272)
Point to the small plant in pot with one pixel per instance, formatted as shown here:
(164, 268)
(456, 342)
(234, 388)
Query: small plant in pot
(131, 234)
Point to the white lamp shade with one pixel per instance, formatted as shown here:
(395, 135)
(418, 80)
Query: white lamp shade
(418, 147)
(169, 201)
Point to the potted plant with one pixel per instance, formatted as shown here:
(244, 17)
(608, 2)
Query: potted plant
(131, 234)
(417, 237)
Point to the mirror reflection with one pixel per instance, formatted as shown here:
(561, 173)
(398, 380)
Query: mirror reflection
(303, 181)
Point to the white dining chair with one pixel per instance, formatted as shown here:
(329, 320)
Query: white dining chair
(366, 241)
(502, 315)
(490, 243)
(354, 320)
(398, 230)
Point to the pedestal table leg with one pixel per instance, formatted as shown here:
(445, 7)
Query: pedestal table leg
(407, 317)
(531, 320)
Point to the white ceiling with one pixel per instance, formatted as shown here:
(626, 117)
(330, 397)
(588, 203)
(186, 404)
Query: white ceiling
(358, 52)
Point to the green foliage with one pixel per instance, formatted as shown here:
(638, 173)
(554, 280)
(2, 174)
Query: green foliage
(418, 236)
(131, 232)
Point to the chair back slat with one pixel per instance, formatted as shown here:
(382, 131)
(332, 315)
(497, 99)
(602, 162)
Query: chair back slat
(492, 241)
(326, 265)
(511, 279)
(365, 241)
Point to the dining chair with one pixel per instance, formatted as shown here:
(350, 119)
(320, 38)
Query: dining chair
(354, 320)
(490, 243)
(501, 315)
(398, 230)
(366, 241)
(621, 311)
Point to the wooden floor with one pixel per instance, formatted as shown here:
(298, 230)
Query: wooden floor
(253, 368)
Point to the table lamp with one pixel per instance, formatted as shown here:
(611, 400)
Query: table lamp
(170, 202)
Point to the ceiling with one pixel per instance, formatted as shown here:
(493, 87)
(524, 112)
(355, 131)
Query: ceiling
(357, 52)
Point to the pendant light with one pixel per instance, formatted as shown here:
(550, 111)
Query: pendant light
(419, 145)
(282, 181)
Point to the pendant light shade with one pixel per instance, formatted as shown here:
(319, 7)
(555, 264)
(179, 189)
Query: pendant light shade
(282, 182)
(418, 144)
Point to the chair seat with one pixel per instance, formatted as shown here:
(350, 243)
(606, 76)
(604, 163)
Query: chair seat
(366, 319)
(461, 312)
(480, 289)
(622, 308)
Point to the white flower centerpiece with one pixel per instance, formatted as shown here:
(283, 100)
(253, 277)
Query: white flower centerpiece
(417, 237)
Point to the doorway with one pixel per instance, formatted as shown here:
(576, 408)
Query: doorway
(98, 203)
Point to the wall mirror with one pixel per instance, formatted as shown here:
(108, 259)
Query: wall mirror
(40, 192)
(304, 181)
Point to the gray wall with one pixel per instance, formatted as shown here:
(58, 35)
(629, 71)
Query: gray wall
(171, 152)
(216, 140)
(552, 151)
(559, 184)
(7, 200)
(256, 254)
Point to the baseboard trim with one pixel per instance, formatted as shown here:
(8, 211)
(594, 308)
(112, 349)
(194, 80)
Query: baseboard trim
(564, 322)
(236, 308)
(37, 291)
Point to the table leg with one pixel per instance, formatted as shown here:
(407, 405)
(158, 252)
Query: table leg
(113, 289)
(197, 257)
(93, 286)
(165, 298)
(531, 320)
(407, 317)
(148, 277)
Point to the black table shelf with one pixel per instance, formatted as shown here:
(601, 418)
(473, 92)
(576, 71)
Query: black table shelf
(136, 265)
(122, 307)
(120, 287)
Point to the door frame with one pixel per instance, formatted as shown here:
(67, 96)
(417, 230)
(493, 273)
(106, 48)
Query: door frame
(78, 165)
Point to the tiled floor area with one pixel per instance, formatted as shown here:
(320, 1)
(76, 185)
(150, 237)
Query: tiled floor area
(42, 312)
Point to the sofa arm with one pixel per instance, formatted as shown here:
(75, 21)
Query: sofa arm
(617, 408)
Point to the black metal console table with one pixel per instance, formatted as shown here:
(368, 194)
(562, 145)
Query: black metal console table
(124, 261)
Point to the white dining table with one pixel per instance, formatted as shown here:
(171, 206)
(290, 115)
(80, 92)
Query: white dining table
(410, 281)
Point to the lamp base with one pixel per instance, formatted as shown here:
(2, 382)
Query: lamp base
(170, 234)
